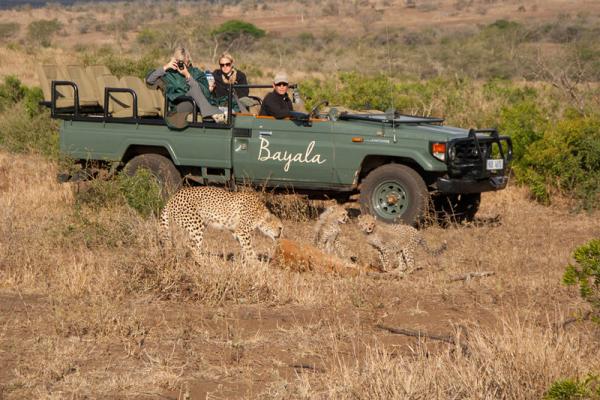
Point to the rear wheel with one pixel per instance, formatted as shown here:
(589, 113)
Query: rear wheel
(165, 172)
(394, 193)
(456, 208)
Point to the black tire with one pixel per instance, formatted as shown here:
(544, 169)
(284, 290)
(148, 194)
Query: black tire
(394, 193)
(161, 167)
(456, 208)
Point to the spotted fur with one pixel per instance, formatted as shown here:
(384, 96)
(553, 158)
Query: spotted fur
(327, 228)
(194, 208)
(396, 244)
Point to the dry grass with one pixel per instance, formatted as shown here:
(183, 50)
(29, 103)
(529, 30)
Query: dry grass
(92, 305)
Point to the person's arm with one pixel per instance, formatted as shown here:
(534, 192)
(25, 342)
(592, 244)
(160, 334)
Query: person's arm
(241, 80)
(158, 73)
(154, 76)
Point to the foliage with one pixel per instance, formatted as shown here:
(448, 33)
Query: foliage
(24, 125)
(9, 29)
(148, 37)
(586, 273)
(234, 29)
(41, 31)
(120, 65)
(140, 192)
(574, 389)
(567, 157)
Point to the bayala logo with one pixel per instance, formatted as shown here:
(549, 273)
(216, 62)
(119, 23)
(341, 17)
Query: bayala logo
(288, 158)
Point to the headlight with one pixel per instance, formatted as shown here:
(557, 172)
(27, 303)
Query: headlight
(438, 150)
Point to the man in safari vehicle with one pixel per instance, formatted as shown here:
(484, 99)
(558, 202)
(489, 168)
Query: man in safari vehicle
(277, 103)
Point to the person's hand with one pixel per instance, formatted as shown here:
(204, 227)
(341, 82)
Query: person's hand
(184, 71)
(211, 86)
(172, 64)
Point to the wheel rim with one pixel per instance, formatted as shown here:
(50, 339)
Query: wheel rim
(390, 200)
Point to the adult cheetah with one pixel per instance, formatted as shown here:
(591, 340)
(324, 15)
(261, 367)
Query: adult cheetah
(194, 208)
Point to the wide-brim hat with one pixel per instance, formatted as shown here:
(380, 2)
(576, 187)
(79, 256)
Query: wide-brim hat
(280, 77)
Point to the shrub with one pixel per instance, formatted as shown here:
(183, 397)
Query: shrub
(42, 31)
(568, 158)
(234, 29)
(9, 29)
(574, 389)
(141, 192)
(586, 274)
(24, 126)
(147, 37)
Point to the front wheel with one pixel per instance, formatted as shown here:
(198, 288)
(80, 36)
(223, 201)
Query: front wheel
(167, 176)
(394, 193)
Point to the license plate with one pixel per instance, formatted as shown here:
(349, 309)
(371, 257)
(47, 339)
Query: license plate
(495, 164)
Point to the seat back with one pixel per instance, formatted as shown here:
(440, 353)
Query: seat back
(118, 101)
(97, 70)
(88, 92)
(147, 100)
(48, 73)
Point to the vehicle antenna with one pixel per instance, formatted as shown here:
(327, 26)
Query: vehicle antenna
(389, 57)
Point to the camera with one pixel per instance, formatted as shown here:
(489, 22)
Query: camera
(180, 64)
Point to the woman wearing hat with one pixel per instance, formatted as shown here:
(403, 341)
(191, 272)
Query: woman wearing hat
(277, 103)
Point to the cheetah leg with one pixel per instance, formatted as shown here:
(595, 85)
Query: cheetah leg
(406, 262)
(194, 226)
(164, 233)
(248, 254)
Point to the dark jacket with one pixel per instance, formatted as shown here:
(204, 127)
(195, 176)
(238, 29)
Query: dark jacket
(276, 105)
(221, 87)
(176, 85)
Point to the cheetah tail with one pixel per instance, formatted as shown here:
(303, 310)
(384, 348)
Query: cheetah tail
(433, 252)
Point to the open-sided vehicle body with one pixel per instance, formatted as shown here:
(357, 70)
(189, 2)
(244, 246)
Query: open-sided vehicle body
(395, 165)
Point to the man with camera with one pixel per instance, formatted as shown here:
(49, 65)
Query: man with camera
(181, 78)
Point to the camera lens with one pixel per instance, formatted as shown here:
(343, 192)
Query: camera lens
(180, 64)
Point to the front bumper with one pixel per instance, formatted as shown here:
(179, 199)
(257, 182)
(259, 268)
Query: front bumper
(446, 185)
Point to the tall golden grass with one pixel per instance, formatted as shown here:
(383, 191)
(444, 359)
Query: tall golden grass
(94, 306)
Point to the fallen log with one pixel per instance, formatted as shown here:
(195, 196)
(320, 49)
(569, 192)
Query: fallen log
(470, 275)
(423, 334)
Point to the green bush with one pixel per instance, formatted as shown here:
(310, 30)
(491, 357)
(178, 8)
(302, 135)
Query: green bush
(586, 274)
(24, 125)
(568, 158)
(9, 29)
(148, 37)
(42, 31)
(233, 29)
(140, 192)
(574, 389)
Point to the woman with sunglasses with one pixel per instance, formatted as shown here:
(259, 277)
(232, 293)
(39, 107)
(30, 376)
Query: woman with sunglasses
(277, 103)
(227, 75)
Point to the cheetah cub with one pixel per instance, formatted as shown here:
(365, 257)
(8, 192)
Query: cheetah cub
(327, 228)
(396, 244)
(195, 208)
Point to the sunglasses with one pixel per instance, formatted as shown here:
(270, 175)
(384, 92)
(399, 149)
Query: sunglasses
(225, 65)
(281, 84)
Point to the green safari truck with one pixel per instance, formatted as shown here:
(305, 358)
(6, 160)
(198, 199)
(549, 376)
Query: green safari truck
(396, 166)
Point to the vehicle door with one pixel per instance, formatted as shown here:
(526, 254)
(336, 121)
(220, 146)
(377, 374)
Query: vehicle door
(282, 152)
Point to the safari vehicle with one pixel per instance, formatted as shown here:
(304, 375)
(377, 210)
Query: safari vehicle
(395, 165)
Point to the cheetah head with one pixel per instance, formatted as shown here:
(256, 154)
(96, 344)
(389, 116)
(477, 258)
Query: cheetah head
(271, 226)
(339, 213)
(366, 223)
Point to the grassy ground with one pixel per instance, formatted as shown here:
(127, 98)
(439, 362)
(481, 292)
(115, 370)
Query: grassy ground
(93, 306)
